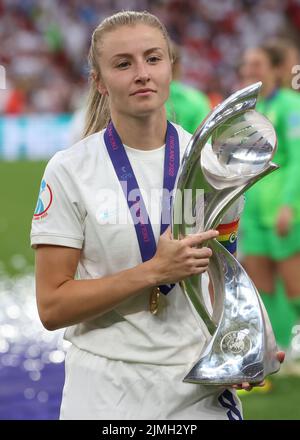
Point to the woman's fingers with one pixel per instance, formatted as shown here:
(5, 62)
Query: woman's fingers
(204, 252)
(280, 356)
(243, 386)
(202, 262)
(198, 239)
(248, 386)
(179, 259)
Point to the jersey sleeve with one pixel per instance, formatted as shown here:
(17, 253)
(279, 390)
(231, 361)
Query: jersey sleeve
(291, 189)
(59, 215)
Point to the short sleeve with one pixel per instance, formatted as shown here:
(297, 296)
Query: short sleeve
(59, 215)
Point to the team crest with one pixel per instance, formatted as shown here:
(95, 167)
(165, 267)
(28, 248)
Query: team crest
(44, 201)
(236, 343)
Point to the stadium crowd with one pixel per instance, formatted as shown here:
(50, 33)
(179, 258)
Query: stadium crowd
(44, 44)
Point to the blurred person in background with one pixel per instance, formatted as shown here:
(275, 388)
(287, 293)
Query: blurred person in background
(15, 101)
(211, 33)
(271, 219)
(186, 106)
(290, 58)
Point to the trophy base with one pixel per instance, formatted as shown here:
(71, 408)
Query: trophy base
(208, 371)
(243, 347)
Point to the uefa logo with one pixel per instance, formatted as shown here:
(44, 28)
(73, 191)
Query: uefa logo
(44, 201)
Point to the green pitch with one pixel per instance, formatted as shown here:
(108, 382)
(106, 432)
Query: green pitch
(19, 188)
(282, 402)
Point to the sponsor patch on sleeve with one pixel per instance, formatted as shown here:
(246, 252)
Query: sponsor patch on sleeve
(44, 201)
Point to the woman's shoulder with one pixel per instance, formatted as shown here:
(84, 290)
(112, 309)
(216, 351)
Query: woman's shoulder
(79, 153)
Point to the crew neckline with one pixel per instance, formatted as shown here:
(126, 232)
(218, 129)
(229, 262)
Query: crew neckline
(137, 151)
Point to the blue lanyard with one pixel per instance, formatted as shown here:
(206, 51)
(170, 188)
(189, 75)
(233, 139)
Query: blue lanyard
(124, 172)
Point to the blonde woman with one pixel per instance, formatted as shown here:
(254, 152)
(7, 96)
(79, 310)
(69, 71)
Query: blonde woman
(131, 343)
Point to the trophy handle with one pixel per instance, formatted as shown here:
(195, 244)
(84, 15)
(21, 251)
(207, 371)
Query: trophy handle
(243, 347)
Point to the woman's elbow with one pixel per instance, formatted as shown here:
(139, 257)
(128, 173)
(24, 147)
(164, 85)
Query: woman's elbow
(48, 322)
(49, 318)
(50, 326)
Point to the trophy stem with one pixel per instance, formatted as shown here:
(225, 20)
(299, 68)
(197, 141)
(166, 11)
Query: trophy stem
(199, 304)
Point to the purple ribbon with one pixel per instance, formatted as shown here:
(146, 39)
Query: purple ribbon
(124, 172)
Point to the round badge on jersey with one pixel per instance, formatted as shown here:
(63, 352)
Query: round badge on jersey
(44, 201)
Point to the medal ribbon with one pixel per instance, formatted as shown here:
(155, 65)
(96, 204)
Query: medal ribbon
(124, 172)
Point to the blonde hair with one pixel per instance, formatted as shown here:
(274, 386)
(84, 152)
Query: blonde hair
(98, 114)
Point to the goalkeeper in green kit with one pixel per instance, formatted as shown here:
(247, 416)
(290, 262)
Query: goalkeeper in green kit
(271, 220)
(186, 106)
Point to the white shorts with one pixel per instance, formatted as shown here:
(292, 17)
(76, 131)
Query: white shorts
(98, 388)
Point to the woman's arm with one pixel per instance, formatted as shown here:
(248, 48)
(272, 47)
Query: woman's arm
(63, 301)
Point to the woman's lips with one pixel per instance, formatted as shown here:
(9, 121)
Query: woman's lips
(143, 92)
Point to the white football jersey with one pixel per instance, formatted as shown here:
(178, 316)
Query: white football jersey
(141, 357)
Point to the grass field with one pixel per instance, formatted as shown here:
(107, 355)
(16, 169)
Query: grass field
(282, 402)
(19, 186)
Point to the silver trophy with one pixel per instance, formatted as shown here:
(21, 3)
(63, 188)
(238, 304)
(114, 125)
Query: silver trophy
(230, 151)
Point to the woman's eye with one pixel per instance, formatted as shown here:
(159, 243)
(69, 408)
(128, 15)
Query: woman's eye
(123, 65)
(153, 59)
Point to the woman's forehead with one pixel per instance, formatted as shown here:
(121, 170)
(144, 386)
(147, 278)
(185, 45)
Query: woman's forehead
(132, 39)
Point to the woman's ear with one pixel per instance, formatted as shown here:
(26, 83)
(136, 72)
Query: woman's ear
(99, 84)
(101, 87)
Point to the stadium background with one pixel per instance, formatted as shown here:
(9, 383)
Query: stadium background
(43, 50)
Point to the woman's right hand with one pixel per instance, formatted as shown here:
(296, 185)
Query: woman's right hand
(176, 260)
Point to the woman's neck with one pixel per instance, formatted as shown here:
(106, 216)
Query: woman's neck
(144, 133)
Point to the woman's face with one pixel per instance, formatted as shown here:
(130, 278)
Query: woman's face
(135, 70)
(255, 67)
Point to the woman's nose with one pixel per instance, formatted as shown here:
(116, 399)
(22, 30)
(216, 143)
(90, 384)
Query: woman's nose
(142, 73)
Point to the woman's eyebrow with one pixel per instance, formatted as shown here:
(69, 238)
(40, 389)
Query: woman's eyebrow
(124, 54)
(153, 49)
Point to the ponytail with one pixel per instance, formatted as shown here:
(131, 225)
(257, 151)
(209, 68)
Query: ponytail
(97, 113)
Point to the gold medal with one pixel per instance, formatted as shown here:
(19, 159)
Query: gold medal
(154, 300)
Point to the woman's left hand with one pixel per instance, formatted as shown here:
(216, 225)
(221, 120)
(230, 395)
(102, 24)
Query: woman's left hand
(248, 387)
